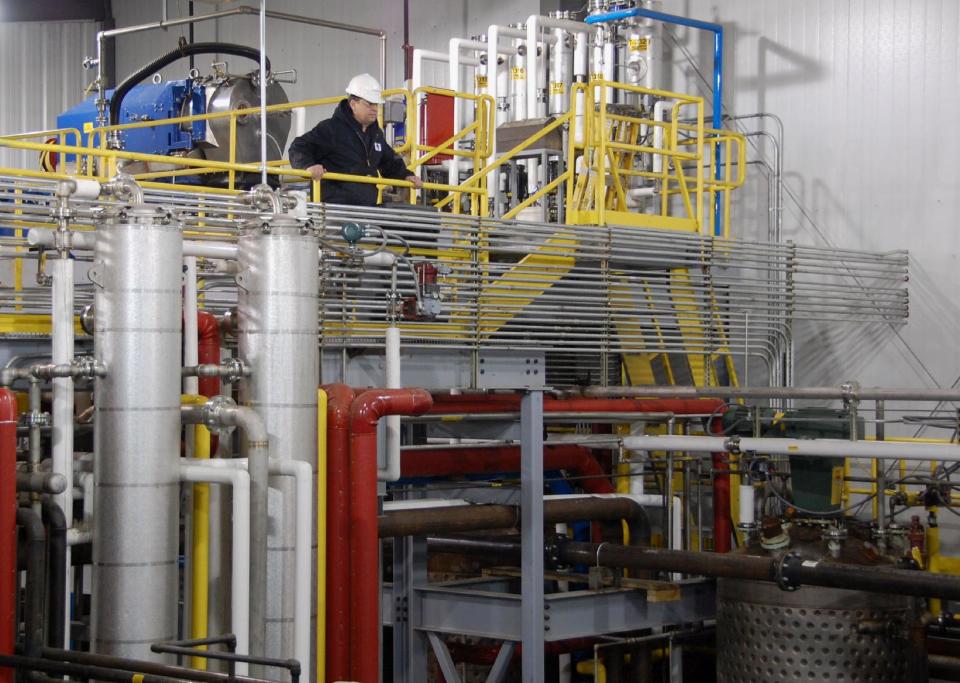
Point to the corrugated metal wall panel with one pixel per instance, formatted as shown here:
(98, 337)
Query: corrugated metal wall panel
(868, 92)
(41, 75)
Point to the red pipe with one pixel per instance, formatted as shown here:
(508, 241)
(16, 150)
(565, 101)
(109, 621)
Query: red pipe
(339, 399)
(366, 411)
(454, 461)
(495, 403)
(208, 351)
(8, 526)
(722, 525)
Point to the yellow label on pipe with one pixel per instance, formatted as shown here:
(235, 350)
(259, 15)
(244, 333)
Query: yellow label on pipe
(639, 44)
(558, 88)
(518, 73)
(596, 77)
(480, 81)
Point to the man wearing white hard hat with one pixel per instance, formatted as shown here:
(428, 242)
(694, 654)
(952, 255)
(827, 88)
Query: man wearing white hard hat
(351, 141)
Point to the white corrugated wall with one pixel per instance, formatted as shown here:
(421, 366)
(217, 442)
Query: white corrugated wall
(41, 75)
(868, 92)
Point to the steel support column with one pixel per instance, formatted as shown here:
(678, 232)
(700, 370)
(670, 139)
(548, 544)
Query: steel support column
(531, 499)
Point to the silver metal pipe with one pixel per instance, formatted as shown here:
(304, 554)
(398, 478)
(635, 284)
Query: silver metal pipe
(137, 432)
(223, 412)
(844, 392)
(278, 326)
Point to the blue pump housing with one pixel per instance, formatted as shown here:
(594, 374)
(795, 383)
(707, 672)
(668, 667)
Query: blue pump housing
(149, 102)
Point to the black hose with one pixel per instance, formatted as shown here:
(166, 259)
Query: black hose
(56, 523)
(186, 51)
(30, 522)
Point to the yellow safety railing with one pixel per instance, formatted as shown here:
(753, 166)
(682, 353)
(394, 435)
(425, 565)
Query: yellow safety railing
(602, 168)
(611, 145)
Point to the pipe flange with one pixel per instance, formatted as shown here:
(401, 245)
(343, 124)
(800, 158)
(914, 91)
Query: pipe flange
(782, 570)
(89, 367)
(212, 414)
(233, 370)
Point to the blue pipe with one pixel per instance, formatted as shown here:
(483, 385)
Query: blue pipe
(717, 31)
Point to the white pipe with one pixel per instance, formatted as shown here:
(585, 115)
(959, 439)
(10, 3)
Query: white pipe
(62, 354)
(298, 124)
(239, 480)
(83, 532)
(302, 472)
(263, 91)
(659, 132)
(581, 68)
(830, 448)
(416, 80)
(494, 33)
(519, 77)
(86, 241)
(456, 60)
(191, 385)
(391, 469)
(423, 503)
(748, 506)
(535, 23)
(556, 74)
(610, 66)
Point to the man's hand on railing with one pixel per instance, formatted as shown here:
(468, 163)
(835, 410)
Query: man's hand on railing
(317, 171)
(417, 183)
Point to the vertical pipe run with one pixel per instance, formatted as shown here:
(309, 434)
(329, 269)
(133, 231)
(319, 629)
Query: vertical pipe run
(8, 526)
(531, 520)
(391, 470)
(366, 411)
(321, 625)
(137, 432)
(62, 354)
(278, 323)
(263, 91)
(339, 399)
(56, 600)
(33, 588)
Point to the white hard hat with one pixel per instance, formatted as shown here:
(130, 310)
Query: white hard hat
(365, 87)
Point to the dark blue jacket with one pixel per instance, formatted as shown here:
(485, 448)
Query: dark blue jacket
(341, 146)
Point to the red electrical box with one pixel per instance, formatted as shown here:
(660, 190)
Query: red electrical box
(436, 122)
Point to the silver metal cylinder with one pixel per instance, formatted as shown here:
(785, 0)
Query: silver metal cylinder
(278, 324)
(823, 634)
(137, 436)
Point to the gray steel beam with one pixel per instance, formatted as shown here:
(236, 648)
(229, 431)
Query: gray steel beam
(500, 666)
(483, 608)
(531, 535)
(444, 659)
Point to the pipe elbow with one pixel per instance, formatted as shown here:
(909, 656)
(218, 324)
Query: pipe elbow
(371, 405)
(208, 328)
(339, 399)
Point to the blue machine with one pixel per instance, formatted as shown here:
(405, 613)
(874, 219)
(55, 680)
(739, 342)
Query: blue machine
(150, 102)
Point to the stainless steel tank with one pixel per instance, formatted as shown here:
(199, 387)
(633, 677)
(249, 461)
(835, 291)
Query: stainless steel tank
(278, 337)
(768, 634)
(137, 431)
(239, 92)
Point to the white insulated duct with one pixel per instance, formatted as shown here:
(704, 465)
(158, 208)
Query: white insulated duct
(137, 433)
